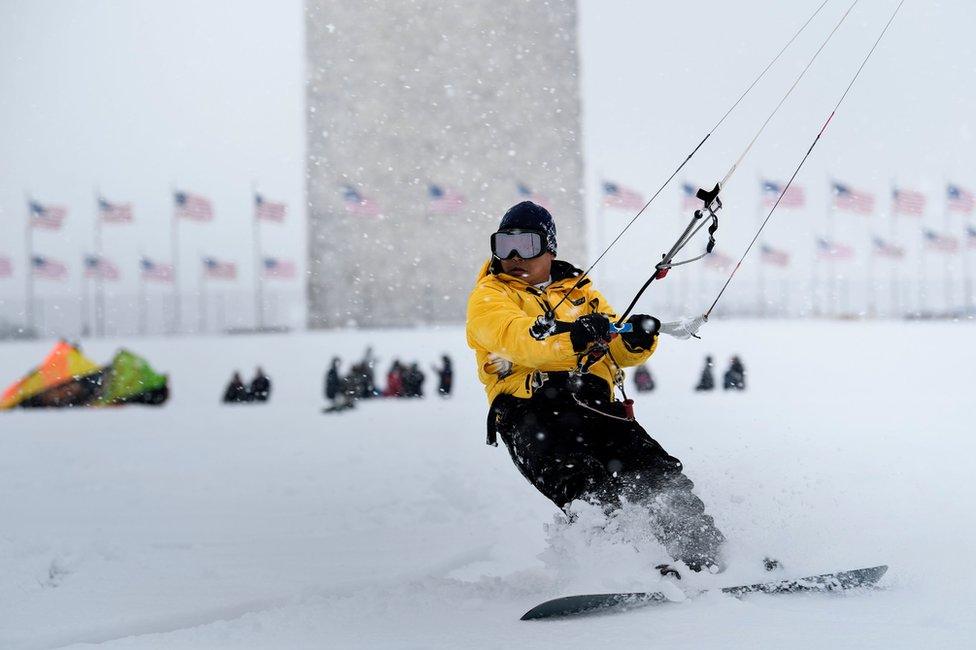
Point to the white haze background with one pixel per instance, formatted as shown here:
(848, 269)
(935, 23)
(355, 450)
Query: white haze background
(133, 98)
(393, 525)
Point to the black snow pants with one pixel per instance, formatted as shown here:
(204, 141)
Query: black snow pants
(568, 451)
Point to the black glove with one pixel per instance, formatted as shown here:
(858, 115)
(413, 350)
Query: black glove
(543, 327)
(645, 328)
(589, 329)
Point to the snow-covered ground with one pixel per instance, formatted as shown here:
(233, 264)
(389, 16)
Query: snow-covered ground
(205, 526)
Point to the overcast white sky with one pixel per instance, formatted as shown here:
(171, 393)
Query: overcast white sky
(656, 77)
(133, 97)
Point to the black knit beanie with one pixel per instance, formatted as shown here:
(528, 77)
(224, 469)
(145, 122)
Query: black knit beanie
(531, 216)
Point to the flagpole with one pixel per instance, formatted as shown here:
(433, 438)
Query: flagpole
(274, 307)
(815, 277)
(670, 288)
(29, 269)
(202, 297)
(872, 253)
(947, 266)
(99, 286)
(221, 296)
(702, 295)
(600, 217)
(923, 254)
(893, 268)
(784, 292)
(761, 285)
(967, 278)
(258, 283)
(842, 280)
(684, 282)
(831, 264)
(175, 255)
(815, 274)
(85, 327)
(142, 297)
(428, 289)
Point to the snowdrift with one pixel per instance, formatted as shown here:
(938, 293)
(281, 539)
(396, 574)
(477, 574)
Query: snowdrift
(393, 525)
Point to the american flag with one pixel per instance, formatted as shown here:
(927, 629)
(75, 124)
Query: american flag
(356, 203)
(43, 267)
(971, 236)
(49, 217)
(114, 212)
(847, 198)
(6, 267)
(942, 243)
(443, 200)
(281, 269)
(887, 249)
(794, 197)
(827, 250)
(193, 207)
(99, 267)
(688, 198)
(620, 197)
(774, 256)
(155, 272)
(268, 210)
(718, 261)
(907, 202)
(217, 270)
(526, 194)
(959, 200)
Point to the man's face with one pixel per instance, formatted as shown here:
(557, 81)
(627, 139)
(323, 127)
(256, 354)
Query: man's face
(531, 271)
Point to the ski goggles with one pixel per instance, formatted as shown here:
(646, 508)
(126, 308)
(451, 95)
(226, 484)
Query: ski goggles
(526, 244)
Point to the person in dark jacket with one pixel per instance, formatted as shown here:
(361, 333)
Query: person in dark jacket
(445, 376)
(735, 376)
(236, 392)
(356, 384)
(260, 386)
(413, 381)
(337, 389)
(332, 385)
(707, 380)
(366, 371)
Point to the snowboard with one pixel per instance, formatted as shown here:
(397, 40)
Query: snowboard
(590, 603)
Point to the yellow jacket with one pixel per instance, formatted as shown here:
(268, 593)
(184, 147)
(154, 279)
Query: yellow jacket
(502, 308)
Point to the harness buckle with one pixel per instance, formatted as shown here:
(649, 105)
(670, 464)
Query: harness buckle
(538, 379)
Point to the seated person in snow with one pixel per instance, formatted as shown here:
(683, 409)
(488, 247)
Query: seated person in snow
(707, 379)
(413, 381)
(394, 380)
(564, 431)
(236, 392)
(260, 386)
(643, 379)
(735, 376)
